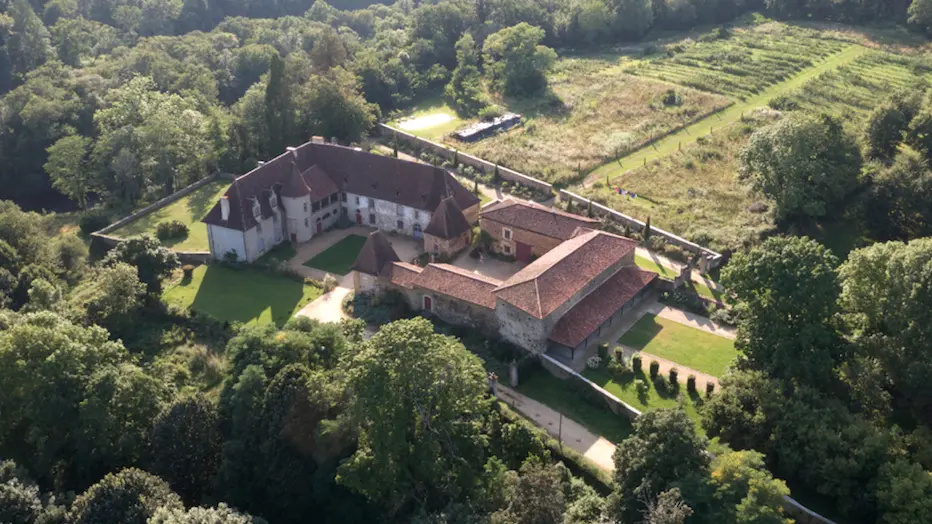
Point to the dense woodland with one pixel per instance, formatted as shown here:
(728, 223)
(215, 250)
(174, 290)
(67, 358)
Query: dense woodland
(117, 408)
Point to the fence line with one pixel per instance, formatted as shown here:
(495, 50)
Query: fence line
(801, 513)
(465, 158)
(714, 258)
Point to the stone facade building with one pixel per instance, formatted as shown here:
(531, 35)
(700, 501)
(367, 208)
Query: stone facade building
(559, 304)
(306, 190)
(526, 230)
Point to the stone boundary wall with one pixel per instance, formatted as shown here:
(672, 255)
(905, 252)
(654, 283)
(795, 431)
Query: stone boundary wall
(638, 226)
(108, 241)
(465, 158)
(802, 514)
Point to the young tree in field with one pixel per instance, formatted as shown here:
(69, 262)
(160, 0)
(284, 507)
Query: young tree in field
(419, 408)
(67, 167)
(887, 300)
(465, 87)
(806, 164)
(663, 452)
(786, 291)
(515, 60)
(131, 496)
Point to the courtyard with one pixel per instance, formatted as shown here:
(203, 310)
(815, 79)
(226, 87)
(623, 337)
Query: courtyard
(338, 258)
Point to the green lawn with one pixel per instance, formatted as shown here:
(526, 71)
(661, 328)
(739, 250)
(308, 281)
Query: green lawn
(241, 295)
(649, 265)
(338, 258)
(189, 209)
(682, 344)
(557, 394)
(623, 388)
(433, 106)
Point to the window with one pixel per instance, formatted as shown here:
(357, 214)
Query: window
(507, 249)
(506, 233)
(256, 212)
(357, 201)
(372, 218)
(401, 224)
(343, 197)
(306, 224)
(417, 214)
(305, 207)
(334, 197)
(428, 303)
(400, 209)
(273, 201)
(371, 203)
(326, 216)
(315, 207)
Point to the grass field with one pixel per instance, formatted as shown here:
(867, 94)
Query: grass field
(557, 394)
(687, 346)
(742, 62)
(695, 193)
(241, 295)
(338, 258)
(189, 209)
(428, 108)
(853, 90)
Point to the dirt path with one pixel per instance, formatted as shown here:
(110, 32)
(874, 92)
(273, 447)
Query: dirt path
(687, 136)
(597, 449)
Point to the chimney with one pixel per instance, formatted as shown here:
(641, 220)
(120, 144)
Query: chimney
(318, 140)
(290, 148)
(224, 208)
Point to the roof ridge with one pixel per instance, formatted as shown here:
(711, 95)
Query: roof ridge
(540, 308)
(465, 272)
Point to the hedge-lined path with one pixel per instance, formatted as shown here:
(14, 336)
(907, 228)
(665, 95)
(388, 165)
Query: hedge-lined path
(597, 449)
(688, 136)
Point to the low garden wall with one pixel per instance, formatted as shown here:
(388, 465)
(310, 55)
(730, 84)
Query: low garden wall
(465, 158)
(802, 514)
(636, 225)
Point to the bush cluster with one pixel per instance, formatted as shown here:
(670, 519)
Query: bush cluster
(171, 229)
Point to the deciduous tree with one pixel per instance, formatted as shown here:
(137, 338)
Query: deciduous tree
(516, 61)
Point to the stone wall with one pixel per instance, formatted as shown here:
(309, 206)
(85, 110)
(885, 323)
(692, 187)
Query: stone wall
(715, 259)
(520, 328)
(465, 158)
(448, 247)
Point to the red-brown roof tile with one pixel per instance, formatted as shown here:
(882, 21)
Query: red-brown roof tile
(599, 305)
(536, 218)
(458, 283)
(551, 280)
(402, 274)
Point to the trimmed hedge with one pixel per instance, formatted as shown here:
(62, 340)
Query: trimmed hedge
(654, 369)
(171, 229)
(691, 384)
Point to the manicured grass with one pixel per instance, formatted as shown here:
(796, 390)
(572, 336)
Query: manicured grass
(682, 344)
(649, 265)
(557, 394)
(623, 387)
(189, 209)
(338, 258)
(241, 295)
(430, 107)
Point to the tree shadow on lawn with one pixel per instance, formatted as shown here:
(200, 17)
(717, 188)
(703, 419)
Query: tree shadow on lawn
(242, 295)
(626, 382)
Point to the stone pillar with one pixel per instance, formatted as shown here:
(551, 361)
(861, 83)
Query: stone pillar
(705, 263)
(513, 372)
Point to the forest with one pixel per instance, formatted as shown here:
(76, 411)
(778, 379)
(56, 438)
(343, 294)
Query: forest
(119, 407)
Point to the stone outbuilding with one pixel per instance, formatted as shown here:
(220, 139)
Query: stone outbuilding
(448, 231)
(526, 230)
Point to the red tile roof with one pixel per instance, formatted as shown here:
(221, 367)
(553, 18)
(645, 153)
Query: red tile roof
(599, 305)
(402, 274)
(412, 184)
(447, 221)
(458, 283)
(536, 218)
(551, 280)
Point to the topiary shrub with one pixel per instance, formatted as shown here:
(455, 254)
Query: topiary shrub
(171, 229)
(674, 377)
(636, 363)
(616, 366)
(188, 271)
(641, 387)
(654, 369)
(691, 383)
(603, 351)
(709, 389)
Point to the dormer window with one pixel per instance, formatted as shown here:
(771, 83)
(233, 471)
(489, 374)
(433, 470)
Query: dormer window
(273, 201)
(256, 211)
(400, 209)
